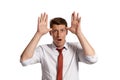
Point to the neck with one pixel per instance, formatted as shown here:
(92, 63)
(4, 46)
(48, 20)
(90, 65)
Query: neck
(60, 47)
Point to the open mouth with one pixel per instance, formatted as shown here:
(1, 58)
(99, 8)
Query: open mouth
(59, 39)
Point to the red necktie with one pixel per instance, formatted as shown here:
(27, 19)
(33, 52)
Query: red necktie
(60, 65)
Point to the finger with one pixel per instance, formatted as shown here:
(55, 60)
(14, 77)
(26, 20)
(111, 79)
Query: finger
(50, 29)
(38, 20)
(79, 19)
(77, 16)
(46, 18)
(41, 17)
(67, 28)
(72, 17)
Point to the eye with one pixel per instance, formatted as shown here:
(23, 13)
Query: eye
(54, 31)
(62, 30)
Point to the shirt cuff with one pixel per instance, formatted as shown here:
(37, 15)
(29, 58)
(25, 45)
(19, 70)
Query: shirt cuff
(91, 59)
(26, 62)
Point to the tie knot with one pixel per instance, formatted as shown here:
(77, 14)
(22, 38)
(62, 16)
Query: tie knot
(60, 50)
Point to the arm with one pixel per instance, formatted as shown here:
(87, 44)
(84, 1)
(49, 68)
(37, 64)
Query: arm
(76, 29)
(41, 30)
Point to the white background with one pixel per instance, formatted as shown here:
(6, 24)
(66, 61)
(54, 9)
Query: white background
(100, 24)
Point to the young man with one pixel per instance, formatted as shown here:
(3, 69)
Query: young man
(59, 60)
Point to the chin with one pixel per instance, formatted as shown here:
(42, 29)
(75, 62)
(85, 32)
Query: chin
(59, 44)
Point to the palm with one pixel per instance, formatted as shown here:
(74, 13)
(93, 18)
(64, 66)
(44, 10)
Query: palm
(75, 23)
(42, 24)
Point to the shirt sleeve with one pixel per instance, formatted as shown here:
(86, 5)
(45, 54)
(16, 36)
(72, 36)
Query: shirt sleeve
(85, 58)
(36, 57)
(91, 59)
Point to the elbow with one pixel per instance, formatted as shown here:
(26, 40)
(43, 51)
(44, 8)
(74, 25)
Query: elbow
(24, 60)
(21, 58)
(25, 56)
(91, 59)
(92, 62)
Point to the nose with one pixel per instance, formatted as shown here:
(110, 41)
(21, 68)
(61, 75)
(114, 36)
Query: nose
(58, 34)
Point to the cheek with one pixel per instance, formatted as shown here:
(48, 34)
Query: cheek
(64, 35)
(53, 35)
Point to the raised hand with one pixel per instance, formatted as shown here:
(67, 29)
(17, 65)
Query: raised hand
(42, 24)
(75, 23)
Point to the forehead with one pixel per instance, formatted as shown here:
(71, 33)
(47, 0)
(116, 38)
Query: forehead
(58, 26)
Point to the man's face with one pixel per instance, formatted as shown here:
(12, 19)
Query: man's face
(59, 33)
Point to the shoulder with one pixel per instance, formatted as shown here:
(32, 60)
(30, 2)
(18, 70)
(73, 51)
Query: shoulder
(45, 46)
(73, 44)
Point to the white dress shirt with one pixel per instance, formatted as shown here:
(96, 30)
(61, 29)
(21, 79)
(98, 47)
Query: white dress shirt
(47, 55)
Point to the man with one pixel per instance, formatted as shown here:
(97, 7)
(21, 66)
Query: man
(59, 60)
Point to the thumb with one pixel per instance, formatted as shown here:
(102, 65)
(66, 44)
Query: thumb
(50, 29)
(68, 28)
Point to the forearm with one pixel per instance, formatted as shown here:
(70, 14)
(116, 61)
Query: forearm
(88, 50)
(29, 50)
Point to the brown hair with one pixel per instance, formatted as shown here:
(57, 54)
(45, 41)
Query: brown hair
(58, 21)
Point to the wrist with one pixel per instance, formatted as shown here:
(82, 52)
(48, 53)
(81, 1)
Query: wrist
(38, 34)
(78, 33)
